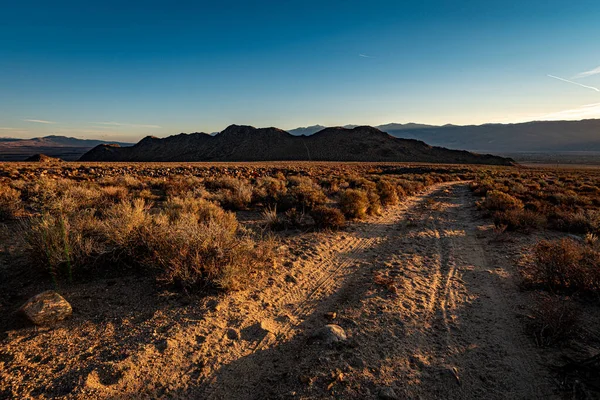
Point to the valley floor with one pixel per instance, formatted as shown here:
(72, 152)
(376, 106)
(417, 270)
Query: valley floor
(430, 305)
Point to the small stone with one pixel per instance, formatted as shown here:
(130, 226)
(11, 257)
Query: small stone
(46, 308)
(233, 334)
(331, 315)
(331, 334)
(387, 393)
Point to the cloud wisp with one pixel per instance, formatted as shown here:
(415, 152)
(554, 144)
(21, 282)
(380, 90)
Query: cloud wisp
(585, 74)
(39, 121)
(574, 83)
(588, 111)
(365, 56)
(127, 125)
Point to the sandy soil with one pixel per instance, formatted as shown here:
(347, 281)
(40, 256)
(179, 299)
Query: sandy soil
(431, 310)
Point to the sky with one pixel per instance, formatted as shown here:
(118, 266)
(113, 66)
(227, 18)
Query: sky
(122, 70)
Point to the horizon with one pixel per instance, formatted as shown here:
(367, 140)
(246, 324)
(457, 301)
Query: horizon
(348, 126)
(120, 72)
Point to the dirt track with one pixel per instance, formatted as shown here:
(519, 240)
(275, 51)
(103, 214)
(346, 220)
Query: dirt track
(430, 309)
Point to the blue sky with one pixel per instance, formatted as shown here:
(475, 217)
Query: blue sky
(124, 70)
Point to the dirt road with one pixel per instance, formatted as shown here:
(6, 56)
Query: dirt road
(428, 304)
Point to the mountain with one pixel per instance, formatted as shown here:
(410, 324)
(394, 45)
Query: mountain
(402, 127)
(536, 136)
(246, 143)
(309, 130)
(66, 148)
(42, 158)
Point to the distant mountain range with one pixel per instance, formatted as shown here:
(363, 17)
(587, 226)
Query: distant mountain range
(309, 130)
(550, 137)
(66, 148)
(536, 136)
(246, 143)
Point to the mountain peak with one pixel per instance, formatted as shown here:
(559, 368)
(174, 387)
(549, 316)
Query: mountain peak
(246, 143)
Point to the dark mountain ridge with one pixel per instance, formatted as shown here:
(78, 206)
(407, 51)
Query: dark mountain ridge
(246, 143)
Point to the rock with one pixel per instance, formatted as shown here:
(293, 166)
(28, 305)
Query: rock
(331, 334)
(387, 393)
(46, 308)
(233, 334)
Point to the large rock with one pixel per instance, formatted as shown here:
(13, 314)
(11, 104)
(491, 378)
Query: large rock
(46, 308)
(331, 334)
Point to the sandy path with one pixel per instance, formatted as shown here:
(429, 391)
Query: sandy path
(428, 305)
(428, 314)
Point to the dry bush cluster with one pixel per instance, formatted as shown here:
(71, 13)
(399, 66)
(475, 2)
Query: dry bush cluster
(564, 265)
(181, 227)
(527, 200)
(554, 320)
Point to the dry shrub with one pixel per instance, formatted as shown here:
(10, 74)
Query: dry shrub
(188, 252)
(575, 221)
(354, 203)
(191, 241)
(294, 218)
(10, 203)
(388, 194)
(554, 320)
(410, 187)
(232, 193)
(269, 190)
(519, 220)
(327, 217)
(306, 193)
(62, 244)
(128, 181)
(374, 203)
(565, 265)
(114, 194)
(181, 186)
(496, 200)
(42, 194)
(272, 220)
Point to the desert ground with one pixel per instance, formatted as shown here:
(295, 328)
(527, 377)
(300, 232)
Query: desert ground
(434, 289)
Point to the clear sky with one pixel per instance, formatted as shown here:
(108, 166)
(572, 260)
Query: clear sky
(127, 69)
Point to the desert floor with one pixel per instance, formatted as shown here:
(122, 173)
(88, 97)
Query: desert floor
(427, 295)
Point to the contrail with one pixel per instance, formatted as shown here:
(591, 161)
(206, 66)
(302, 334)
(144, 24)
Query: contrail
(365, 56)
(574, 83)
(585, 74)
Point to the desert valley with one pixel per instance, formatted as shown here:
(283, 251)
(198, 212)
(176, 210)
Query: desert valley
(302, 279)
(300, 200)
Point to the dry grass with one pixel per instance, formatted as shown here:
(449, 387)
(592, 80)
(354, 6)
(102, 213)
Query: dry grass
(10, 203)
(189, 242)
(231, 193)
(554, 320)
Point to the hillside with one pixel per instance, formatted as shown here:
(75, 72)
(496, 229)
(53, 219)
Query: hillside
(246, 143)
(66, 148)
